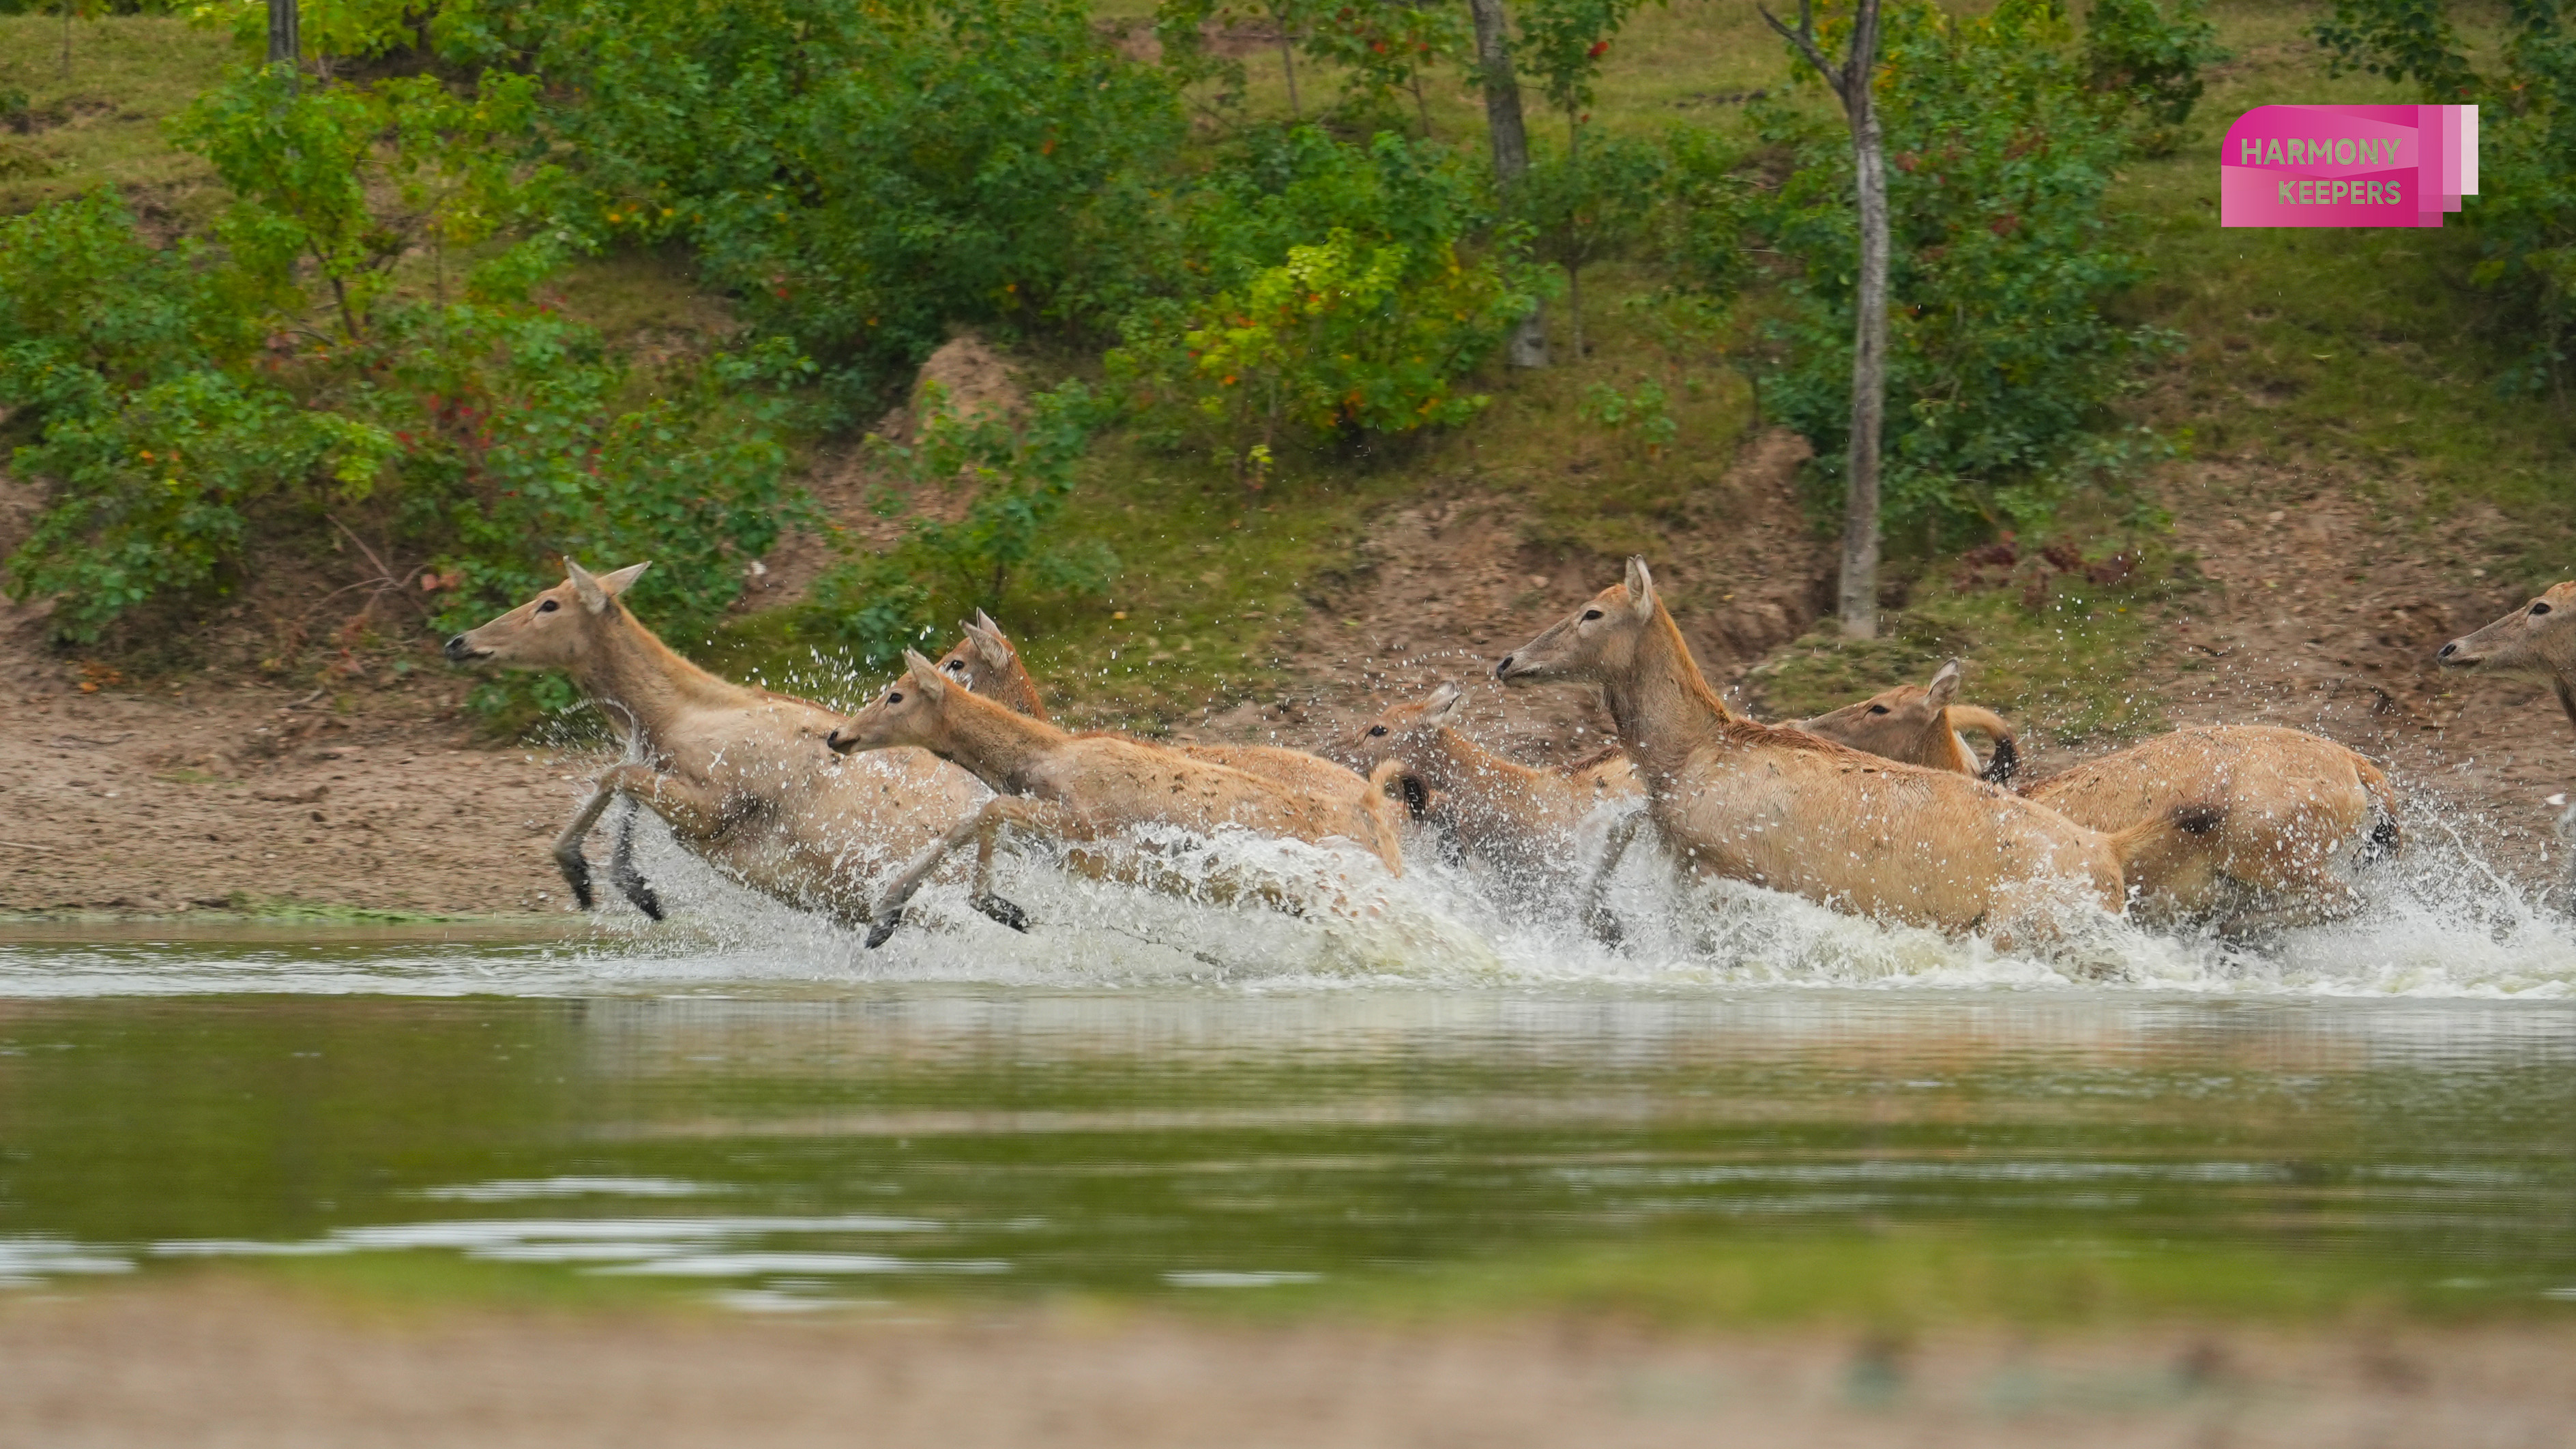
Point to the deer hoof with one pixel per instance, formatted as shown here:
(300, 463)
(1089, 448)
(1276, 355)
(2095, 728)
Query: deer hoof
(1004, 912)
(1604, 927)
(576, 873)
(884, 928)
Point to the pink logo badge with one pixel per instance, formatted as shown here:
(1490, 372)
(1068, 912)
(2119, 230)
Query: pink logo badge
(2347, 165)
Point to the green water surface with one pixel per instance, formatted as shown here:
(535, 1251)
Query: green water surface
(1704, 1155)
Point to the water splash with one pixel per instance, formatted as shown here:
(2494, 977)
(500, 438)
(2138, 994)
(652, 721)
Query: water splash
(2441, 921)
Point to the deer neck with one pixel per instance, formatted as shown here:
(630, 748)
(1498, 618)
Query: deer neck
(1661, 705)
(1449, 761)
(995, 743)
(643, 685)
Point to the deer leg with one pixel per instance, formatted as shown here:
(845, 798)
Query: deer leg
(982, 827)
(568, 856)
(1596, 904)
(1024, 814)
(630, 882)
(692, 811)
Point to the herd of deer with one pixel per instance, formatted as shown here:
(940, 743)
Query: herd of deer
(1879, 808)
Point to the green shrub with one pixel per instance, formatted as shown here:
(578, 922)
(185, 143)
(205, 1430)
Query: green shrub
(2147, 62)
(1341, 298)
(2524, 216)
(2001, 360)
(183, 408)
(861, 176)
(1003, 551)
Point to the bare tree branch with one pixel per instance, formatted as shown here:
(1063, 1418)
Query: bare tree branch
(1804, 37)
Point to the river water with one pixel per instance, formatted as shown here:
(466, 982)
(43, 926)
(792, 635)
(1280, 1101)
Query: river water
(1752, 1108)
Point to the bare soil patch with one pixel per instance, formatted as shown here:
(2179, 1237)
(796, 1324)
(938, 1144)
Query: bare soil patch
(220, 1365)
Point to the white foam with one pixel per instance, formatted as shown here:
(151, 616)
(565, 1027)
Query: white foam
(2438, 923)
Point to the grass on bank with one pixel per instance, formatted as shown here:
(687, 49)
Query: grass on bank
(2359, 358)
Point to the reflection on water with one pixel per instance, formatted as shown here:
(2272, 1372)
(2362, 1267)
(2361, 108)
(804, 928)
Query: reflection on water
(910, 1138)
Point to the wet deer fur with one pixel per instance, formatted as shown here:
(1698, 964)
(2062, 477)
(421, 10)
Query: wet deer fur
(740, 774)
(1058, 786)
(1785, 809)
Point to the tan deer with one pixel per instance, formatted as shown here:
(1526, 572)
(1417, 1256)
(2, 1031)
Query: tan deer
(2532, 642)
(1784, 809)
(1920, 724)
(741, 775)
(2296, 810)
(1516, 819)
(988, 663)
(1077, 788)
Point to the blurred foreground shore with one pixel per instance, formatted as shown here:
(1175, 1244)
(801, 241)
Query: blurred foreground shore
(219, 1363)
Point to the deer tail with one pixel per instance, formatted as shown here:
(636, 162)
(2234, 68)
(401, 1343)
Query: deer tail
(2386, 838)
(2178, 826)
(1384, 802)
(2006, 759)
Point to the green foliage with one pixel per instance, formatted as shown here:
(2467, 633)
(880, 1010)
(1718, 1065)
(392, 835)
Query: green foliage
(1342, 299)
(1589, 205)
(179, 417)
(356, 29)
(1643, 413)
(1561, 45)
(861, 176)
(1389, 47)
(1005, 549)
(350, 180)
(2525, 214)
(2150, 63)
(2001, 360)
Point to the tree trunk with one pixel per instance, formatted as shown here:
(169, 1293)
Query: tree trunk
(1288, 61)
(284, 43)
(1859, 593)
(1574, 309)
(1510, 138)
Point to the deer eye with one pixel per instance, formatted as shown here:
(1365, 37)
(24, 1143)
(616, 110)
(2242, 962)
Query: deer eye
(548, 607)
(1376, 730)
(894, 696)
(1591, 614)
(2538, 609)
(1878, 709)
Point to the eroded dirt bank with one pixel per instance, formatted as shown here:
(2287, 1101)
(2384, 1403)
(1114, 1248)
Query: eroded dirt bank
(217, 1366)
(2315, 613)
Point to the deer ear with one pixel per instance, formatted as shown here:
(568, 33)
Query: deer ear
(585, 586)
(989, 639)
(1944, 686)
(1442, 700)
(619, 582)
(1641, 588)
(925, 675)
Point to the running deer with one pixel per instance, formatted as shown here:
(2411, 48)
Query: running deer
(1920, 724)
(1784, 809)
(741, 775)
(987, 662)
(1520, 821)
(2297, 811)
(1069, 788)
(2533, 642)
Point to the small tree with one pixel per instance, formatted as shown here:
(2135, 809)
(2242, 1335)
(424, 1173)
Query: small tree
(1588, 207)
(1851, 82)
(1510, 138)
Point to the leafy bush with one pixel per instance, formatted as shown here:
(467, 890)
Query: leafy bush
(1590, 206)
(183, 407)
(2141, 59)
(1004, 547)
(2001, 360)
(1341, 299)
(2525, 214)
(862, 176)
